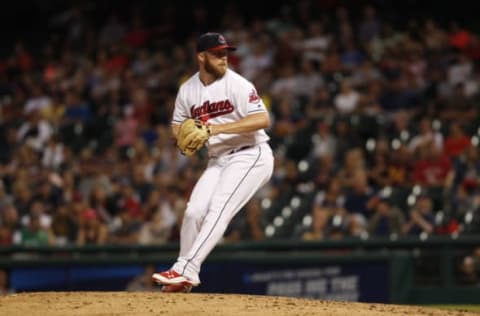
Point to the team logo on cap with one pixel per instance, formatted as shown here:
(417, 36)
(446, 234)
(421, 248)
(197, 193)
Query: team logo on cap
(221, 39)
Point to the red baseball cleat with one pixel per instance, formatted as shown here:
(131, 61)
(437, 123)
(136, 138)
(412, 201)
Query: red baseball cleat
(172, 277)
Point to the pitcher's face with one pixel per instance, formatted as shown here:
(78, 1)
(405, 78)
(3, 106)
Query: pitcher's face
(216, 62)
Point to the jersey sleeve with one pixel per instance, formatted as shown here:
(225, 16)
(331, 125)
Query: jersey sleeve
(248, 100)
(180, 112)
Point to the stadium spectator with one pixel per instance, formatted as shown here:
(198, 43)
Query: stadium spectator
(426, 135)
(354, 164)
(154, 231)
(370, 25)
(433, 36)
(34, 234)
(248, 224)
(319, 227)
(35, 132)
(91, 231)
(400, 166)
(126, 229)
(319, 105)
(459, 107)
(10, 222)
(323, 171)
(421, 217)
(456, 141)
(432, 167)
(470, 266)
(358, 199)
(386, 220)
(307, 80)
(348, 99)
(378, 173)
(324, 142)
(64, 227)
(6, 235)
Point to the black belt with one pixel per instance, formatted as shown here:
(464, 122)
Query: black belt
(236, 150)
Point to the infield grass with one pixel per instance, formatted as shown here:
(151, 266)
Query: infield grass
(470, 308)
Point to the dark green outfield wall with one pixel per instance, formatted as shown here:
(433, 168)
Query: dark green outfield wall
(398, 271)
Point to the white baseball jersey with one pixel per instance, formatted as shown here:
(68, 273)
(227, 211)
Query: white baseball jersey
(225, 100)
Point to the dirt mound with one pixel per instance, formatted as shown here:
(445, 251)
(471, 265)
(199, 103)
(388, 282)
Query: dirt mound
(154, 303)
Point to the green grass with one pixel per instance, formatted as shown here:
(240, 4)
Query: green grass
(470, 308)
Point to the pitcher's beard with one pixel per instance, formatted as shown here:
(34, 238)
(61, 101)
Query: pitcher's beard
(212, 70)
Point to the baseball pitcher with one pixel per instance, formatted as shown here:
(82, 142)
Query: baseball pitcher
(221, 110)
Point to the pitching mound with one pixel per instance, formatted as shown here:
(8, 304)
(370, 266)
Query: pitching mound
(152, 303)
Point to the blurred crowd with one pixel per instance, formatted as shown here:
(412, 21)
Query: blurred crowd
(375, 127)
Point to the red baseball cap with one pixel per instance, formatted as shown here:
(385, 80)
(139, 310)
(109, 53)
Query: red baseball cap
(213, 41)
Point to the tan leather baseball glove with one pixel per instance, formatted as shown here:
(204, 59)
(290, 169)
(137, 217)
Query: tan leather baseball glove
(192, 136)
